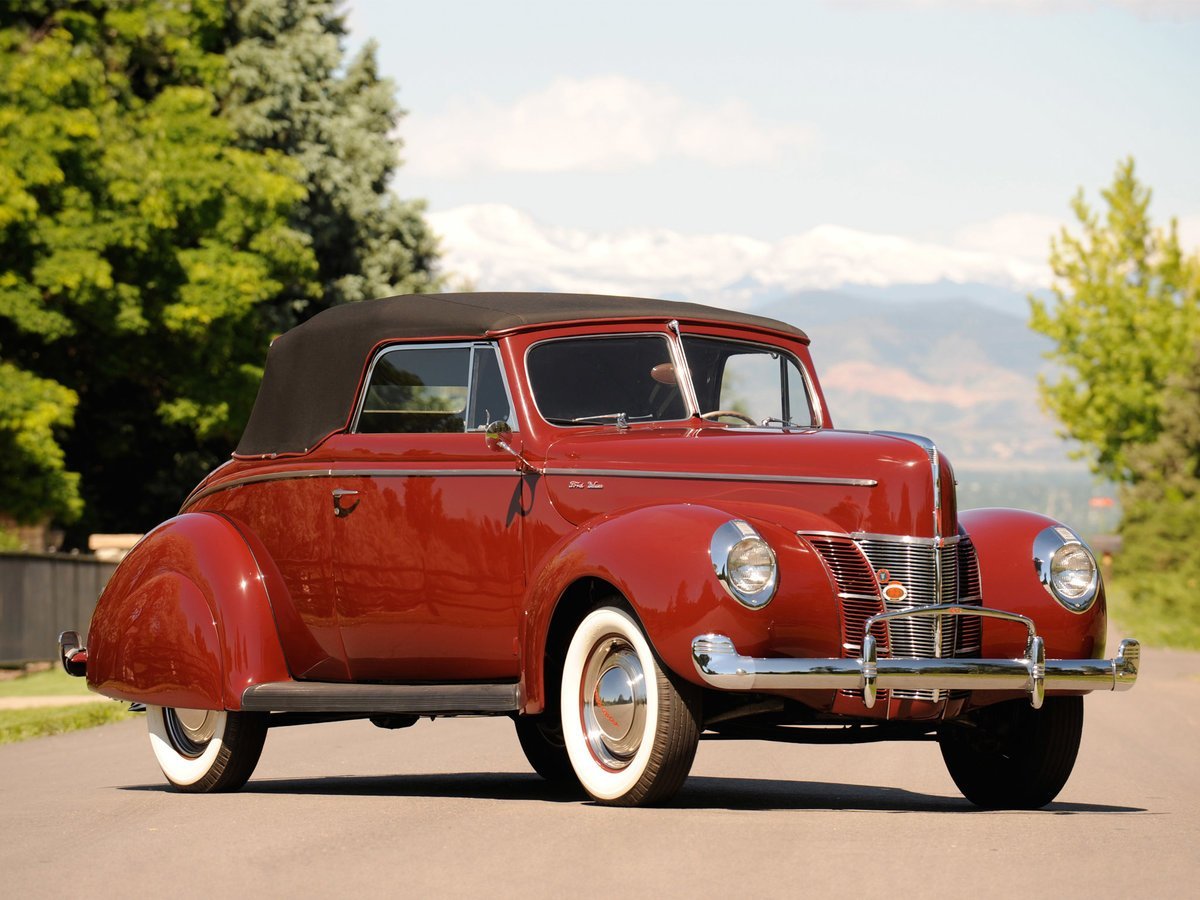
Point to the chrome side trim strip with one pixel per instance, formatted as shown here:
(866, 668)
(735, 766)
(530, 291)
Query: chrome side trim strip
(349, 473)
(419, 473)
(420, 699)
(713, 476)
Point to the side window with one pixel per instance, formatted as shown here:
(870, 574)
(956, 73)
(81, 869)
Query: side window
(489, 399)
(425, 390)
(417, 389)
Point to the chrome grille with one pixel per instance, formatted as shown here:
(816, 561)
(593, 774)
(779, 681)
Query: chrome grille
(970, 593)
(857, 590)
(947, 574)
(930, 575)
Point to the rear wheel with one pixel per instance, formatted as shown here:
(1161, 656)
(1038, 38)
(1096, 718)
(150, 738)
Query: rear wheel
(206, 750)
(629, 729)
(541, 738)
(1012, 756)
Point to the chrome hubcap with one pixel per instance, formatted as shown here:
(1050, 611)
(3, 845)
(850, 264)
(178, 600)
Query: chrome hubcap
(190, 730)
(613, 702)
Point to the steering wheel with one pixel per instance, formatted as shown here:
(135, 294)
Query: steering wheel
(732, 413)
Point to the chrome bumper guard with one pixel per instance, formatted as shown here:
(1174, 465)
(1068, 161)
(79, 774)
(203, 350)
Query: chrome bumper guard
(720, 666)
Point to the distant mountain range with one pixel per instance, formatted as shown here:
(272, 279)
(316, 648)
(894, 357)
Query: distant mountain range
(906, 336)
(963, 373)
(493, 244)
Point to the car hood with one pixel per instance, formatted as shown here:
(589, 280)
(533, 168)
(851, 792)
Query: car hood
(808, 480)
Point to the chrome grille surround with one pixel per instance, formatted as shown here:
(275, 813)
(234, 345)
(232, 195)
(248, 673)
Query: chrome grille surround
(932, 571)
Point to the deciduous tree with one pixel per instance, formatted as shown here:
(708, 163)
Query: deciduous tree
(138, 247)
(1125, 316)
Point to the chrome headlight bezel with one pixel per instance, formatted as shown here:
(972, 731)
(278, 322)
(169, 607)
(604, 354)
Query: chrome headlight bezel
(1050, 548)
(738, 538)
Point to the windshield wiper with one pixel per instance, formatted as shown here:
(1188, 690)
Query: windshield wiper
(621, 419)
(618, 417)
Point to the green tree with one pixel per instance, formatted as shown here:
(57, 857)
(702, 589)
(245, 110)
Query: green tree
(290, 89)
(1161, 518)
(33, 469)
(138, 247)
(1124, 318)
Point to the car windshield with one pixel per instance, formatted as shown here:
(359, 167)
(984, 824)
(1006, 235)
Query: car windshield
(747, 382)
(596, 380)
(627, 379)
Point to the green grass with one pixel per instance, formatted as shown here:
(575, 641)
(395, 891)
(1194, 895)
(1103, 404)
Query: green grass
(22, 724)
(52, 683)
(1156, 616)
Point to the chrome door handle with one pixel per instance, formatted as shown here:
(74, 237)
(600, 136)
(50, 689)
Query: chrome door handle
(342, 511)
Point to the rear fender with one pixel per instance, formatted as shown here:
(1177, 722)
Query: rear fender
(1003, 540)
(657, 558)
(185, 620)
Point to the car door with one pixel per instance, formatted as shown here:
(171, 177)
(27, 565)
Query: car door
(427, 531)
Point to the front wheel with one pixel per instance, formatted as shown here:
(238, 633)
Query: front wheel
(1012, 756)
(629, 729)
(206, 750)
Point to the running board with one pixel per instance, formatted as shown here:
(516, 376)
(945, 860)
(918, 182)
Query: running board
(415, 699)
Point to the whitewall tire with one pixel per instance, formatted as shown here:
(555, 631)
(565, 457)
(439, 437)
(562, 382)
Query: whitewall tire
(201, 751)
(630, 730)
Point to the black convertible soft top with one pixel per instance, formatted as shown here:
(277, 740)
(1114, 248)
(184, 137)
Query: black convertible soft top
(312, 372)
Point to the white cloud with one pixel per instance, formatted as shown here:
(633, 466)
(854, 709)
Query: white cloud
(1025, 236)
(1146, 9)
(501, 248)
(596, 124)
(1189, 232)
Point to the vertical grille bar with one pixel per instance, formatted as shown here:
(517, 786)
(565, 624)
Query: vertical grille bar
(857, 590)
(859, 566)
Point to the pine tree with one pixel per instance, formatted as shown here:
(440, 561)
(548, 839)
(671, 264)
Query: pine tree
(288, 92)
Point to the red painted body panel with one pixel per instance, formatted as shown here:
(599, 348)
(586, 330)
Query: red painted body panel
(185, 620)
(901, 501)
(292, 521)
(657, 558)
(428, 566)
(1003, 539)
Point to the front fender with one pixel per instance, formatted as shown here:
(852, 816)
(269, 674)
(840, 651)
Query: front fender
(1003, 540)
(185, 620)
(657, 558)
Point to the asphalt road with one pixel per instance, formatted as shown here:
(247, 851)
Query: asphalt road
(451, 808)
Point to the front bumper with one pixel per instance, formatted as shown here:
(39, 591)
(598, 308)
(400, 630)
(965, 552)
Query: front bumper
(720, 665)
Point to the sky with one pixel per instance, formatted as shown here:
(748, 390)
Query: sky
(966, 126)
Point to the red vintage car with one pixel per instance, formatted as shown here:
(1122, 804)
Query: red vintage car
(624, 524)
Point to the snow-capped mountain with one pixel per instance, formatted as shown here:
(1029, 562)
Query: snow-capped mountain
(496, 246)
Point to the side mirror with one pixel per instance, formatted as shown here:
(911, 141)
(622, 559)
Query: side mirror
(498, 435)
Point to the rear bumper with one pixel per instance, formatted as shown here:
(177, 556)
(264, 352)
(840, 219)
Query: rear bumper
(719, 664)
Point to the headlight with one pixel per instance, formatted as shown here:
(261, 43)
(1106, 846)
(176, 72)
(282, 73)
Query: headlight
(744, 563)
(1066, 568)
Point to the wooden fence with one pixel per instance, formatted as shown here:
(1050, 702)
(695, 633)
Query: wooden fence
(42, 594)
